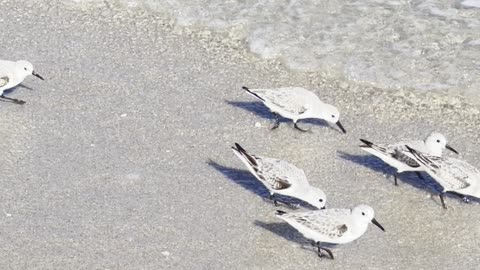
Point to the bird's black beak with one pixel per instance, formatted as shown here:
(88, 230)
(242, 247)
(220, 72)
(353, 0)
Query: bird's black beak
(374, 221)
(37, 75)
(323, 208)
(341, 127)
(451, 149)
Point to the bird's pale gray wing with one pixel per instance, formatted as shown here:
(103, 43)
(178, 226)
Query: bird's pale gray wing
(279, 184)
(275, 173)
(291, 173)
(458, 173)
(400, 153)
(323, 214)
(287, 100)
(330, 225)
(4, 81)
(452, 173)
(329, 228)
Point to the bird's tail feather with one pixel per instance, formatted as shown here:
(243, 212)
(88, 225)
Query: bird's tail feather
(369, 144)
(243, 153)
(252, 93)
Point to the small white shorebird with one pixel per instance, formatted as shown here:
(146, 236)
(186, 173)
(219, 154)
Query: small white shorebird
(12, 74)
(296, 103)
(398, 156)
(335, 226)
(454, 175)
(281, 177)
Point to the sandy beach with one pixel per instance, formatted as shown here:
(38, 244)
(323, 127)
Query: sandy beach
(121, 158)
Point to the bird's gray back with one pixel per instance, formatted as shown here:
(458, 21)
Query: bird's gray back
(293, 100)
(400, 152)
(457, 174)
(279, 174)
(330, 222)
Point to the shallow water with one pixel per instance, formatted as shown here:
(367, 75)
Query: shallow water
(390, 44)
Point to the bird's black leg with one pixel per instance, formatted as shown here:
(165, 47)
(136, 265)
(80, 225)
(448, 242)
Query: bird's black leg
(443, 201)
(420, 175)
(298, 128)
(319, 252)
(272, 197)
(395, 178)
(277, 121)
(14, 100)
(329, 252)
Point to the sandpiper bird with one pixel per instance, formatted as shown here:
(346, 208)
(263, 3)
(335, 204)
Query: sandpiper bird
(335, 226)
(281, 177)
(296, 103)
(454, 175)
(12, 74)
(398, 156)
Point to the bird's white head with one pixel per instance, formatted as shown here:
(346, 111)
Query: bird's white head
(316, 197)
(436, 142)
(331, 114)
(26, 68)
(365, 214)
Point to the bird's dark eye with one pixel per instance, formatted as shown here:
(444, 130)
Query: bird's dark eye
(363, 213)
(321, 200)
(25, 68)
(438, 141)
(333, 116)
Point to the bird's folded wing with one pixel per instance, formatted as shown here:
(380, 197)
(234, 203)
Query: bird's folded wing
(330, 226)
(282, 174)
(288, 101)
(276, 173)
(457, 174)
(279, 183)
(3, 81)
(333, 230)
(401, 155)
(452, 174)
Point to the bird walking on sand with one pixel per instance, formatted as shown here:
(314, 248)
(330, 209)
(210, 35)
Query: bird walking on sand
(455, 176)
(281, 177)
(334, 226)
(398, 156)
(296, 103)
(12, 74)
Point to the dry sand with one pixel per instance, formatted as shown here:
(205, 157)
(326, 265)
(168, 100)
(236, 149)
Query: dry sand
(121, 158)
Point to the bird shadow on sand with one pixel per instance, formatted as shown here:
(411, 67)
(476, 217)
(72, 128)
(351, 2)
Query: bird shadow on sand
(24, 86)
(255, 107)
(13, 89)
(246, 180)
(427, 184)
(261, 110)
(283, 230)
(242, 178)
(287, 232)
